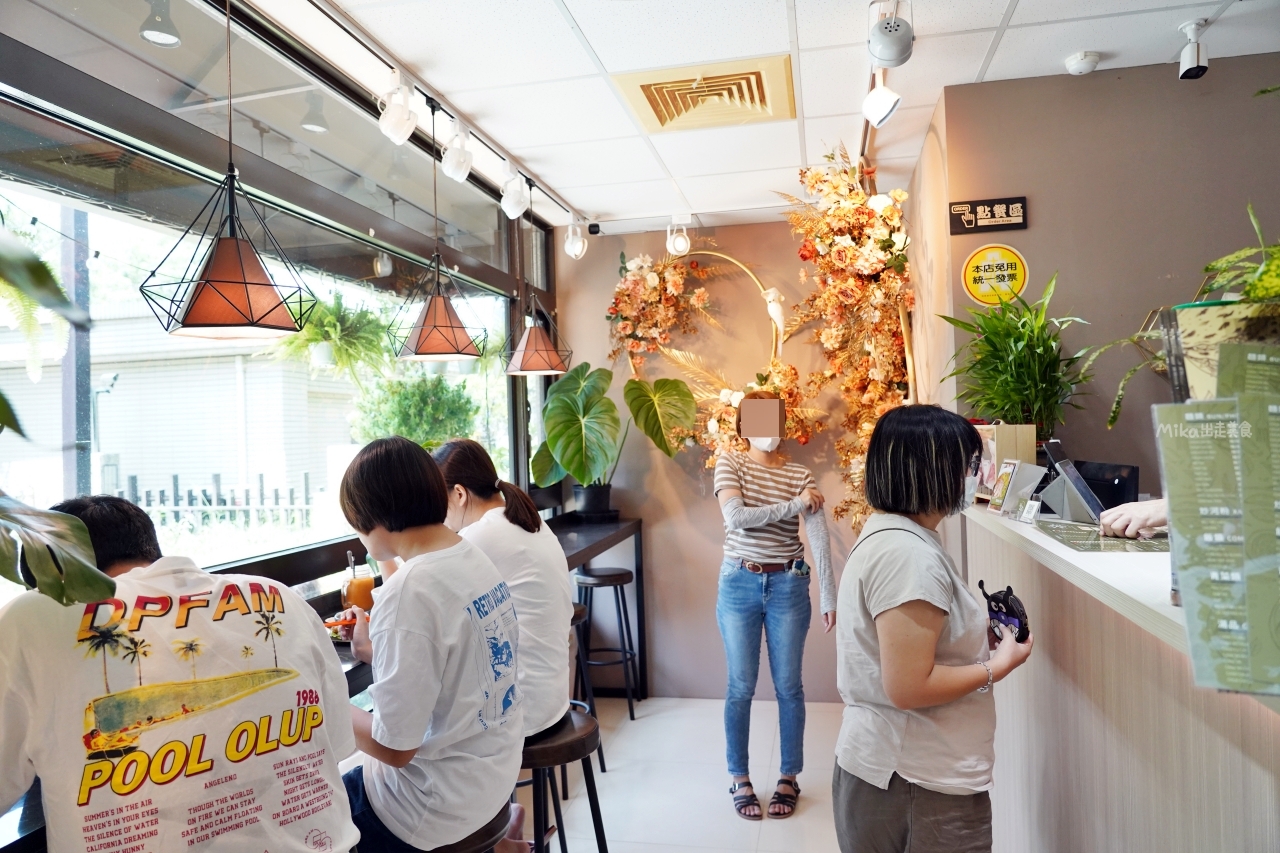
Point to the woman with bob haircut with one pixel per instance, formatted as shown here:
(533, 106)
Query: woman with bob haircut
(914, 653)
(443, 743)
(502, 521)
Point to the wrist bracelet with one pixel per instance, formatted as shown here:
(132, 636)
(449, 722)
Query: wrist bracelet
(990, 677)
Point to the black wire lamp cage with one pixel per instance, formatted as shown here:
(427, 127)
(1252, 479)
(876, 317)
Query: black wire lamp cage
(427, 327)
(225, 290)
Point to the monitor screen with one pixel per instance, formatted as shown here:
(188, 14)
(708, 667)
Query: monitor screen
(1113, 484)
(1068, 469)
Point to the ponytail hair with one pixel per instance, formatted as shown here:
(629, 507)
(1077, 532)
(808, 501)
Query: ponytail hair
(466, 463)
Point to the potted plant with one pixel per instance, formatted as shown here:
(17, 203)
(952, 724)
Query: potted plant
(1014, 368)
(337, 337)
(583, 424)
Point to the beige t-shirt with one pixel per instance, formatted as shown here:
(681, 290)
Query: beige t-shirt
(948, 748)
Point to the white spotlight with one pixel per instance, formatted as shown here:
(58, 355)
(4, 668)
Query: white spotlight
(383, 266)
(880, 104)
(1084, 62)
(314, 121)
(678, 242)
(575, 245)
(1194, 63)
(890, 36)
(456, 163)
(397, 121)
(515, 196)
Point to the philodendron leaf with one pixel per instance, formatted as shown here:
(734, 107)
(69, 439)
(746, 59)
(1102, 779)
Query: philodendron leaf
(582, 382)
(58, 551)
(9, 418)
(545, 469)
(9, 558)
(659, 408)
(583, 434)
(23, 269)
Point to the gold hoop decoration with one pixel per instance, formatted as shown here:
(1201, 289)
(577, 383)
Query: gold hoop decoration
(775, 349)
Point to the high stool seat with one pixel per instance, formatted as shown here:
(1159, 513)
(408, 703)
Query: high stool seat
(484, 838)
(573, 738)
(588, 581)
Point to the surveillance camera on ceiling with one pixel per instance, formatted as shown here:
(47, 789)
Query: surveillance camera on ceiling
(890, 37)
(1083, 62)
(1195, 59)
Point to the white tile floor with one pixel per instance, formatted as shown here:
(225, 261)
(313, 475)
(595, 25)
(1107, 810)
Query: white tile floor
(667, 790)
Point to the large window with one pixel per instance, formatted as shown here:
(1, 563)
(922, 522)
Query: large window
(234, 448)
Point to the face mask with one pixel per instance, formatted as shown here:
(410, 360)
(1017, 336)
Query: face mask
(970, 493)
(768, 445)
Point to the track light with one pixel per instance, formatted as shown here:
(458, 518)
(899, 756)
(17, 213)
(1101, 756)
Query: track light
(383, 265)
(1194, 62)
(314, 121)
(678, 242)
(575, 244)
(880, 103)
(515, 195)
(456, 162)
(158, 27)
(890, 37)
(397, 121)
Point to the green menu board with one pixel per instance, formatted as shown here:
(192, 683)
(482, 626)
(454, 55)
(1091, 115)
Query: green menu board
(1248, 368)
(1259, 488)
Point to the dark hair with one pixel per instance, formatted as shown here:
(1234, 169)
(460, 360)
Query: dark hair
(466, 463)
(394, 484)
(751, 395)
(917, 460)
(119, 529)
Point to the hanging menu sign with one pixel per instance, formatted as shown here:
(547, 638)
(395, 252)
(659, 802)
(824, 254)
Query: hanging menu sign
(989, 214)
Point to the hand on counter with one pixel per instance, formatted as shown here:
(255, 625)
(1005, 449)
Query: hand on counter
(1136, 520)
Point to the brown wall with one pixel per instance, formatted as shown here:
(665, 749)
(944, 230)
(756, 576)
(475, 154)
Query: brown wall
(684, 532)
(1134, 181)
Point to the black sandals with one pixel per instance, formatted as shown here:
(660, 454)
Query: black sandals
(741, 802)
(786, 800)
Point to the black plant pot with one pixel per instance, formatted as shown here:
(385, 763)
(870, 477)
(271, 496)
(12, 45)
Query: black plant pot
(592, 500)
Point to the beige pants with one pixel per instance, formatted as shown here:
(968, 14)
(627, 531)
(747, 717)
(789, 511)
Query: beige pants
(907, 818)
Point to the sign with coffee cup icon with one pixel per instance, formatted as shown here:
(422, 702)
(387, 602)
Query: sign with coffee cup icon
(988, 214)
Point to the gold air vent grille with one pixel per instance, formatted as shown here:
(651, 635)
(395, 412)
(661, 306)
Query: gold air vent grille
(721, 94)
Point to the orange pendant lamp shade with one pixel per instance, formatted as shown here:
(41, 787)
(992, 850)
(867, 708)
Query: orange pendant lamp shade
(536, 355)
(439, 334)
(235, 297)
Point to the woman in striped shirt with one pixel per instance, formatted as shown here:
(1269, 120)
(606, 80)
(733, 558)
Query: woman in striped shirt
(764, 585)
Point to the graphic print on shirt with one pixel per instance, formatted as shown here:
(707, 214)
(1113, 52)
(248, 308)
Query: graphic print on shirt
(493, 617)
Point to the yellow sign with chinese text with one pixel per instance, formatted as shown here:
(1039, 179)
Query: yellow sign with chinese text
(995, 273)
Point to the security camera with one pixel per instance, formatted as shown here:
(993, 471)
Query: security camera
(1195, 59)
(1083, 62)
(593, 228)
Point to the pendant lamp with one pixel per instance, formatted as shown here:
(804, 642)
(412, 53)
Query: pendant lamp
(225, 290)
(437, 333)
(538, 353)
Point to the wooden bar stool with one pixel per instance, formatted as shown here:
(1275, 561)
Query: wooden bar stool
(484, 838)
(582, 681)
(588, 579)
(574, 738)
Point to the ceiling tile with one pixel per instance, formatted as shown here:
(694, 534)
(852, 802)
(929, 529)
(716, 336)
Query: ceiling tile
(833, 80)
(581, 164)
(824, 135)
(739, 191)
(623, 201)
(1149, 38)
(476, 44)
(937, 62)
(628, 35)
(1037, 11)
(1250, 26)
(744, 148)
(548, 113)
(902, 135)
(821, 23)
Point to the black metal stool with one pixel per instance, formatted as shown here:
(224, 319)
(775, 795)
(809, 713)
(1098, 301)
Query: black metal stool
(574, 738)
(588, 579)
(484, 838)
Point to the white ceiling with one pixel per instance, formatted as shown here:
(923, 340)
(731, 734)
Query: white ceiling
(533, 75)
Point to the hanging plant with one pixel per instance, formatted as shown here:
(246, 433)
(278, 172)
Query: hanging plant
(350, 340)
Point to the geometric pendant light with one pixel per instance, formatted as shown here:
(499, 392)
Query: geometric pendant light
(538, 353)
(225, 290)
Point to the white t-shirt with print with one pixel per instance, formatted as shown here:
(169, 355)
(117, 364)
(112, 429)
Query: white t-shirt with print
(537, 573)
(188, 712)
(444, 640)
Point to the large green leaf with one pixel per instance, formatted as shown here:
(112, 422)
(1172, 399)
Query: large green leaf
(582, 382)
(582, 433)
(9, 418)
(659, 408)
(58, 551)
(23, 269)
(545, 469)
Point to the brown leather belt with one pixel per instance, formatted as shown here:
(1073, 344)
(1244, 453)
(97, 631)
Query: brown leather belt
(765, 568)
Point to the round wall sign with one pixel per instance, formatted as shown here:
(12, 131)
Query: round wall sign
(995, 273)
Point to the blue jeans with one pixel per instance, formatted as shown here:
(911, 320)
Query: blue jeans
(374, 835)
(779, 604)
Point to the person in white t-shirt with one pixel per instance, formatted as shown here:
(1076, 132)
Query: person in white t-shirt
(189, 711)
(501, 520)
(914, 662)
(443, 743)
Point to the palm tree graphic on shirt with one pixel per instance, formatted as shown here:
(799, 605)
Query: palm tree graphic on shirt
(135, 649)
(189, 650)
(269, 628)
(246, 652)
(102, 639)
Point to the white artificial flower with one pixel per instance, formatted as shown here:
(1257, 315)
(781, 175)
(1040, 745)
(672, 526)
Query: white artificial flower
(736, 398)
(899, 240)
(879, 202)
(843, 240)
(713, 427)
(652, 279)
(645, 260)
(634, 264)
(725, 394)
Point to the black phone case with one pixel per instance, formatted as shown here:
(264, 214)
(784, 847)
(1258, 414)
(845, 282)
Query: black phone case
(1005, 609)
